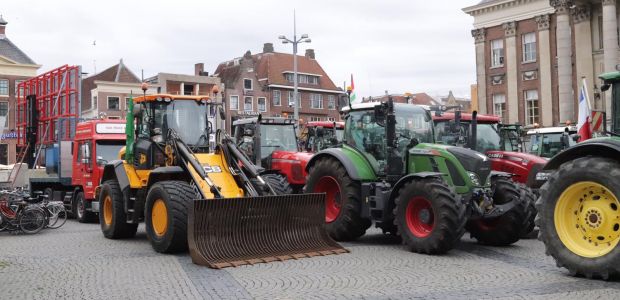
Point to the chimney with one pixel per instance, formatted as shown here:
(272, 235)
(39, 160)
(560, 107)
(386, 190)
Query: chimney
(199, 68)
(310, 53)
(268, 48)
(2, 26)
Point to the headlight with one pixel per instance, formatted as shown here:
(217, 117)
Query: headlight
(475, 180)
(542, 176)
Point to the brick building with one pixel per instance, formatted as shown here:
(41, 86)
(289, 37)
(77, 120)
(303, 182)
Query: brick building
(263, 84)
(181, 84)
(532, 54)
(15, 67)
(107, 93)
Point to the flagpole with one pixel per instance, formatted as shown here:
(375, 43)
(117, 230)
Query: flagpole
(585, 89)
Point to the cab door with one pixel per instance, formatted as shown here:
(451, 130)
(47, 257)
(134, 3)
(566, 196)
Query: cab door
(84, 165)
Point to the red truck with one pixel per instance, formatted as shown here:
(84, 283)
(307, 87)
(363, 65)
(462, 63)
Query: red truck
(65, 154)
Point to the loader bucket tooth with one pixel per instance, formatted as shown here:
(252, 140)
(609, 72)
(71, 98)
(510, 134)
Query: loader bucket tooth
(250, 230)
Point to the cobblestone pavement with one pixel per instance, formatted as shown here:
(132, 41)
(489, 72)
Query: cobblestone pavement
(76, 262)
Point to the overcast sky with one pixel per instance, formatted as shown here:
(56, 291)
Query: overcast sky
(399, 46)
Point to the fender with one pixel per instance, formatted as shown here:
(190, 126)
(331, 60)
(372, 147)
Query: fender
(356, 165)
(601, 147)
(496, 174)
(114, 170)
(167, 173)
(412, 176)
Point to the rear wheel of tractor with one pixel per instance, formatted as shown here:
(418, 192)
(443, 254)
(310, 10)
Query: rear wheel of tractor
(79, 210)
(278, 183)
(505, 229)
(342, 199)
(579, 217)
(167, 206)
(430, 217)
(112, 215)
(528, 195)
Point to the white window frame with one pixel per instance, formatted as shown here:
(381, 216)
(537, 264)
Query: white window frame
(8, 84)
(313, 99)
(532, 105)
(331, 119)
(273, 95)
(277, 115)
(108, 103)
(8, 110)
(264, 104)
(496, 101)
(528, 41)
(315, 119)
(497, 53)
(331, 102)
(290, 96)
(230, 106)
(251, 84)
(251, 103)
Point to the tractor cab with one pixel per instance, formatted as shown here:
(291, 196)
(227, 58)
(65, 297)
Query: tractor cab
(549, 141)
(160, 117)
(323, 134)
(260, 137)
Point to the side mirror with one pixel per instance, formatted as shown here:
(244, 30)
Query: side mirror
(575, 137)
(379, 115)
(137, 110)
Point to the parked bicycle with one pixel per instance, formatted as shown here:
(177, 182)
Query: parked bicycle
(19, 211)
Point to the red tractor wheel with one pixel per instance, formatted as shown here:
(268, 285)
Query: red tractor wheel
(329, 185)
(420, 217)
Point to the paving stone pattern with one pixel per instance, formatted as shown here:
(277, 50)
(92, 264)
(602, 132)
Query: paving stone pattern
(76, 262)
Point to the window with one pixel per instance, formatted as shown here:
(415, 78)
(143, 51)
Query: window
(532, 114)
(94, 102)
(4, 87)
(247, 84)
(315, 119)
(4, 112)
(290, 99)
(277, 115)
(277, 101)
(331, 119)
(499, 106)
(497, 53)
(331, 102)
(529, 47)
(234, 102)
(262, 104)
(316, 101)
(19, 92)
(302, 78)
(289, 116)
(600, 32)
(248, 104)
(114, 103)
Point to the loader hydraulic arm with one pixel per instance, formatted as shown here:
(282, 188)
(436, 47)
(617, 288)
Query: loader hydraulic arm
(190, 160)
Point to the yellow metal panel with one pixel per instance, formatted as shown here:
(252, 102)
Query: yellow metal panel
(137, 178)
(218, 172)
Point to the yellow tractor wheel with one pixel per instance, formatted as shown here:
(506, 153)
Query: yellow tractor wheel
(579, 217)
(167, 206)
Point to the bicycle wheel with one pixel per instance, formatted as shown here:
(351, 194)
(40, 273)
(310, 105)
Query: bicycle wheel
(57, 215)
(32, 220)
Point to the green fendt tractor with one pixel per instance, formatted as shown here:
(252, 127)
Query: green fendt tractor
(579, 207)
(388, 170)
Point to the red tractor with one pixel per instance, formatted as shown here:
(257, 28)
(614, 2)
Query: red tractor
(272, 143)
(501, 143)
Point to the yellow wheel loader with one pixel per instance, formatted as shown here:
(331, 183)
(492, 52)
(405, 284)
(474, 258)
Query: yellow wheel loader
(208, 197)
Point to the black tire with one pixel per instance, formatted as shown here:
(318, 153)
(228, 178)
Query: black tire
(505, 229)
(32, 220)
(118, 228)
(443, 208)
(595, 169)
(177, 197)
(528, 195)
(348, 224)
(278, 183)
(79, 210)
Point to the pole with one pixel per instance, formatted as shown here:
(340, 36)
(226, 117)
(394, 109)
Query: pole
(295, 95)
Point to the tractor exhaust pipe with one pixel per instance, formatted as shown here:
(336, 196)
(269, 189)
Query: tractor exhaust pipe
(473, 130)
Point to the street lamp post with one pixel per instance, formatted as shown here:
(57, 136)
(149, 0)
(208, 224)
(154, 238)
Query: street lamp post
(303, 39)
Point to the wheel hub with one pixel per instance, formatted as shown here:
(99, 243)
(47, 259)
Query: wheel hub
(587, 219)
(425, 216)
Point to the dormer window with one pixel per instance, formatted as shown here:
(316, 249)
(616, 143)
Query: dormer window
(302, 78)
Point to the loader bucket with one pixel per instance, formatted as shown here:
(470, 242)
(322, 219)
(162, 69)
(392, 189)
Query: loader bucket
(237, 231)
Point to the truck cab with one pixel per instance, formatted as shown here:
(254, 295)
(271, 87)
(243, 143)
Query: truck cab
(96, 143)
(549, 141)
